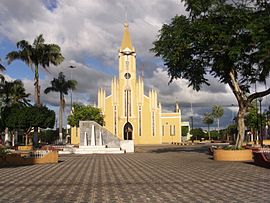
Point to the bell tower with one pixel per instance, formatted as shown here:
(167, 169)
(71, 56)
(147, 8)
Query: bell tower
(127, 82)
(127, 58)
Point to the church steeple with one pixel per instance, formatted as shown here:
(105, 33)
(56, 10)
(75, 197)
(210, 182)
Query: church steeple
(127, 59)
(126, 40)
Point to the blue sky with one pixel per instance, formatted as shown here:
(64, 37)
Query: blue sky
(89, 33)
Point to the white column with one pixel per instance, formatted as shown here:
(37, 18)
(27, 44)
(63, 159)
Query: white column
(100, 139)
(93, 141)
(12, 140)
(6, 137)
(85, 139)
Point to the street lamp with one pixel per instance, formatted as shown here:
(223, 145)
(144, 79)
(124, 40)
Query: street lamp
(261, 136)
(71, 104)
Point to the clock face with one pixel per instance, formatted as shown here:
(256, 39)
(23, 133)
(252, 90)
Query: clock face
(127, 75)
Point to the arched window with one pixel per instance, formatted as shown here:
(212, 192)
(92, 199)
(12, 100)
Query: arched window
(140, 121)
(153, 123)
(115, 120)
(128, 102)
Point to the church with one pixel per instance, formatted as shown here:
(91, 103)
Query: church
(129, 113)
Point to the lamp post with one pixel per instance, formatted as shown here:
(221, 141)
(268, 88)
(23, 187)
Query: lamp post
(71, 104)
(261, 136)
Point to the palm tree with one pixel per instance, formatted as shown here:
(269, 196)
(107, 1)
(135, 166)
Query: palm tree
(12, 93)
(62, 86)
(217, 112)
(208, 119)
(38, 54)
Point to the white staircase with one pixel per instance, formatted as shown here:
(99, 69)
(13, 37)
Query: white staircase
(97, 150)
(94, 139)
(91, 150)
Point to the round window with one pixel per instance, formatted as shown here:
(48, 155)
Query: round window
(127, 75)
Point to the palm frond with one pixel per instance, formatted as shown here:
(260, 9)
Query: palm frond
(2, 78)
(39, 42)
(11, 56)
(23, 44)
(50, 89)
(2, 68)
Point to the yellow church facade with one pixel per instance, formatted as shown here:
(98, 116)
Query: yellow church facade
(128, 112)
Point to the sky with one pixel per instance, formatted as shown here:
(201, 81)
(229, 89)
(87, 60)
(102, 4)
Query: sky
(89, 33)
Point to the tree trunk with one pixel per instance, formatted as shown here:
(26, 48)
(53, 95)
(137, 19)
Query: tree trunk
(218, 127)
(240, 125)
(243, 102)
(37, 87)
(209, 137)
(37, 101)
(61, 118)
(13, 138)
(26, 139)
(6, 135)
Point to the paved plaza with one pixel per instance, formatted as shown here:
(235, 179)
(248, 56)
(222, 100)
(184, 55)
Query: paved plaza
(164, 173)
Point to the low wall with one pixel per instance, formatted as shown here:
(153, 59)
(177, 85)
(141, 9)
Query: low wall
(18, 160)
(233, 155)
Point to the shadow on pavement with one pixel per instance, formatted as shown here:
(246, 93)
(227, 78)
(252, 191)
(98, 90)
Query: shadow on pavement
(261, 166)
(197, 149)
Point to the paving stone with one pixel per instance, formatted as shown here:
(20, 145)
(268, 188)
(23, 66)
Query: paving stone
(162, 173)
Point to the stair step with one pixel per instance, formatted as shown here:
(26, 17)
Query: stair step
(92, 150)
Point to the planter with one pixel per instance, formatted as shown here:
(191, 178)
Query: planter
(25, 148)
(233, 155)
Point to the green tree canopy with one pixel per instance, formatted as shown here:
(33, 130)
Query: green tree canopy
(85, 113)
(226, 39)
(26, 117)
(197, 133)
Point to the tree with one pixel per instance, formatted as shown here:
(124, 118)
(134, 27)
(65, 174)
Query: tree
(253, 119)
(38, 54)
(208, 120)
(62, 86)
(185, 130)
(217, 112)
(226, 39)
(197, 133)
(85, 113)
(11, 93)
(29, 117)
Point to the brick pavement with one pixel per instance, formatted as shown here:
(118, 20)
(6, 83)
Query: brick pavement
(153, 174)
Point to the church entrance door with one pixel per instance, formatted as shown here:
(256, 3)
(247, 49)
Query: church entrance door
(128, 129)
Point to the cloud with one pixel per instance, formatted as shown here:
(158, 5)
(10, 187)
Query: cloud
(88, 82)
(178, 91)
(90, 33)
